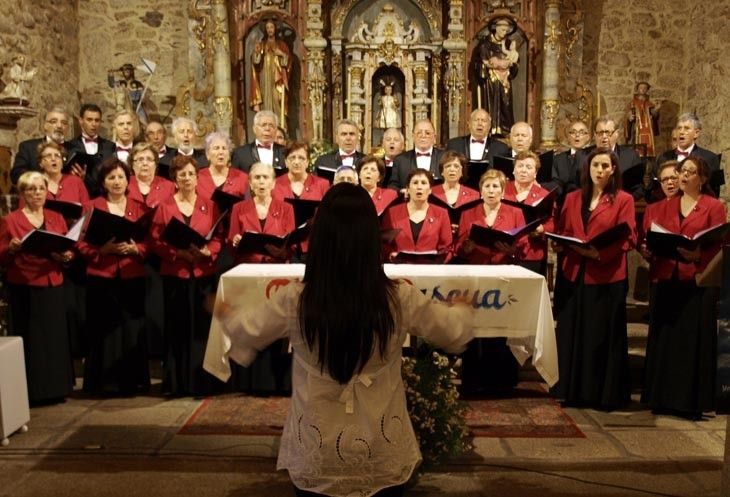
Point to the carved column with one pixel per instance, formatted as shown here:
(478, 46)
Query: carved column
(455, 45)
(221, 67)
(355, 89)
(315, 80)
(421, 102)
(550, 75)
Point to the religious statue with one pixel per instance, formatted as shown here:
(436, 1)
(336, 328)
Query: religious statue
(496, 66)
(128, 91)
(642, 120)
(269, 76)
(389, 113)
(15, 91)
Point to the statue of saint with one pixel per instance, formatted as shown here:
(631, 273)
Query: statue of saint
(389, 113)
(496, 66)
(19, 75)
(269, 76)
(128, 91)
(642, 120)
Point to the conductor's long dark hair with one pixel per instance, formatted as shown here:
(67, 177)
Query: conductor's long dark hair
(348, 305)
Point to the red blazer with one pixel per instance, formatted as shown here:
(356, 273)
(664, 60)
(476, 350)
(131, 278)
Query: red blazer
(708, 212)
(466, 194)
(536, 243)
(70, 189)
(236, 183)
(109, 266)
(160, 190)
(611, 266)
(314, 187)
(205, 214)
(27, 269)
(651, 213)
(435, 232)
(382, 198)
(279, 221)
(508, 217)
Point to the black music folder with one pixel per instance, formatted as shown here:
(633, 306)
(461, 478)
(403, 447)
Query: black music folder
(505, 164)
(545, 173)
(104, 226)
(83, 159)
(541, 210)
(69, 210)
(488, 237)
(181, 236)
(474, 171)
(663, 243)
(303, 209)
(44, 243)
(254, 242)
(327, 173)
(601, 240)
(224, 200)
(454, 212)
(633, 177)
(413, 257)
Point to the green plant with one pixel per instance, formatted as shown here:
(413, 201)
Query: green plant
(316, 150)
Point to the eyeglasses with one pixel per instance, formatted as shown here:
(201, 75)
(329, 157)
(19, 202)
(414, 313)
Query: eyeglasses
(688, 172)
(667, 179)
(57, 121)
(51, 155)
(143, 159)
(577, 132)
(605, 132)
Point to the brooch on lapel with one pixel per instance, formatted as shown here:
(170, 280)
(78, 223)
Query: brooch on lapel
(202, 208)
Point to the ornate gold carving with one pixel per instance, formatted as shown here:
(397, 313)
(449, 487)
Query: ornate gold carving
(223, 108)
(432, 12)
(205, 42)
(454, 84)
(553, 35)
(573, 27)
(549, 111)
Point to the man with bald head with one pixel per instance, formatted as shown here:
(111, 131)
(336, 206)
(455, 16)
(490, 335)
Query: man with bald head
(423, 156)
(156, 134)
(478, 146)
(55, 128)
(520, 138)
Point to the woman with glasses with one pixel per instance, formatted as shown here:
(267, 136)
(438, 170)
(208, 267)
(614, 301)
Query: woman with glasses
(682, 349)
(145, 186)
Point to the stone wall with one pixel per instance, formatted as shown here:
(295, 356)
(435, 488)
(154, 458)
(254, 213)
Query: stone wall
(47, 34)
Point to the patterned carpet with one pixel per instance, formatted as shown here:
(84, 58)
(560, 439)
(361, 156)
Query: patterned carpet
(529, 412)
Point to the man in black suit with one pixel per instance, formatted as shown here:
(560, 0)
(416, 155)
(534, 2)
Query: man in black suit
(605, 133)
(347, 137)
(91, 143)
(184, 131)
(566, 169)
(423, 156)
(478, 146)
(264, 148)
(688, 130)
(55, 127)
(156, 134)
(393, 144)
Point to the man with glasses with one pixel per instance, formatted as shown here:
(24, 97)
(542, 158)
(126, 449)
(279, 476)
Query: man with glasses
(264, 147)
(423, 156)
(566, 170)
(688, 130)
(55, 127)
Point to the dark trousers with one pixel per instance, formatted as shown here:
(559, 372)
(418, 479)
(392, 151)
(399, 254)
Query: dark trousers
(396, 491)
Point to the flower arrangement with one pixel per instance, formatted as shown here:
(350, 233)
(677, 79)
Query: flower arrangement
(437, 414)
(316, 150)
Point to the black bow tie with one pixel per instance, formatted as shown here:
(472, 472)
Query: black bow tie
(423, 154)
(473, 140)
(261, 145)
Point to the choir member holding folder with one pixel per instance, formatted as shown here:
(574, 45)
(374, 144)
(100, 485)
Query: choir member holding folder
(453, 168)
(682, 349)
(425, 230)
(372, 172)
(591, 329)
(146, 186)
(61, 187)
(184, 235)
(220, 175)
(526, 191)
(35, 294)
(298, 182)
(117, 357)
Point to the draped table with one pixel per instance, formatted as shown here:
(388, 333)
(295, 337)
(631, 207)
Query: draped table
(509, 301)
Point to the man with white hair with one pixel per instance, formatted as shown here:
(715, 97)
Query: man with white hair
(520, 138)
(55, 127)
(424, 155)
(264, 147)
(184, 131)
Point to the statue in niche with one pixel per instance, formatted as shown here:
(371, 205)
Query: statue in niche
(269, 75)
(642, 120)
(389, 113)
(128, 91)
(496, 67)
(19, 76)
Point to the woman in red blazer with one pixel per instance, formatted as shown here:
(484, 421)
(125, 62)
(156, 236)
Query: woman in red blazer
(189, 279)
(488, 365)
(371, 171)
(261, 214)
(145, 186)
(453, 166)
(35, 294)
(117, 359)
(591, 330)
(298, 182)
(423, 227)
(682, 347)
(527, 190)
(219, 174)
(66, 187)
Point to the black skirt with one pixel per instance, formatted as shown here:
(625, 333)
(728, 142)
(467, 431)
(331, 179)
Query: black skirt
(593, 357)
(187, 324)
(38, 315)
(681, 352)
(154, 307)
(117, 361)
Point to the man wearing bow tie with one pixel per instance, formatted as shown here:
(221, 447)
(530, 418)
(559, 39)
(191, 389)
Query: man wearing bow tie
(478, 146)
(393, 144)
(55, 128)
(347, 138)
(91, 143)
(688, 130)
(184, 130)
(566, 170)
(264, 147)
(423, 156)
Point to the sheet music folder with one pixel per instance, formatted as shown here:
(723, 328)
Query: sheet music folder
(104, 226)
(454, 212)
(181, 236)
(489, 237)
(541, 210)
(44, 243)
(611, 235)
(663, 243)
